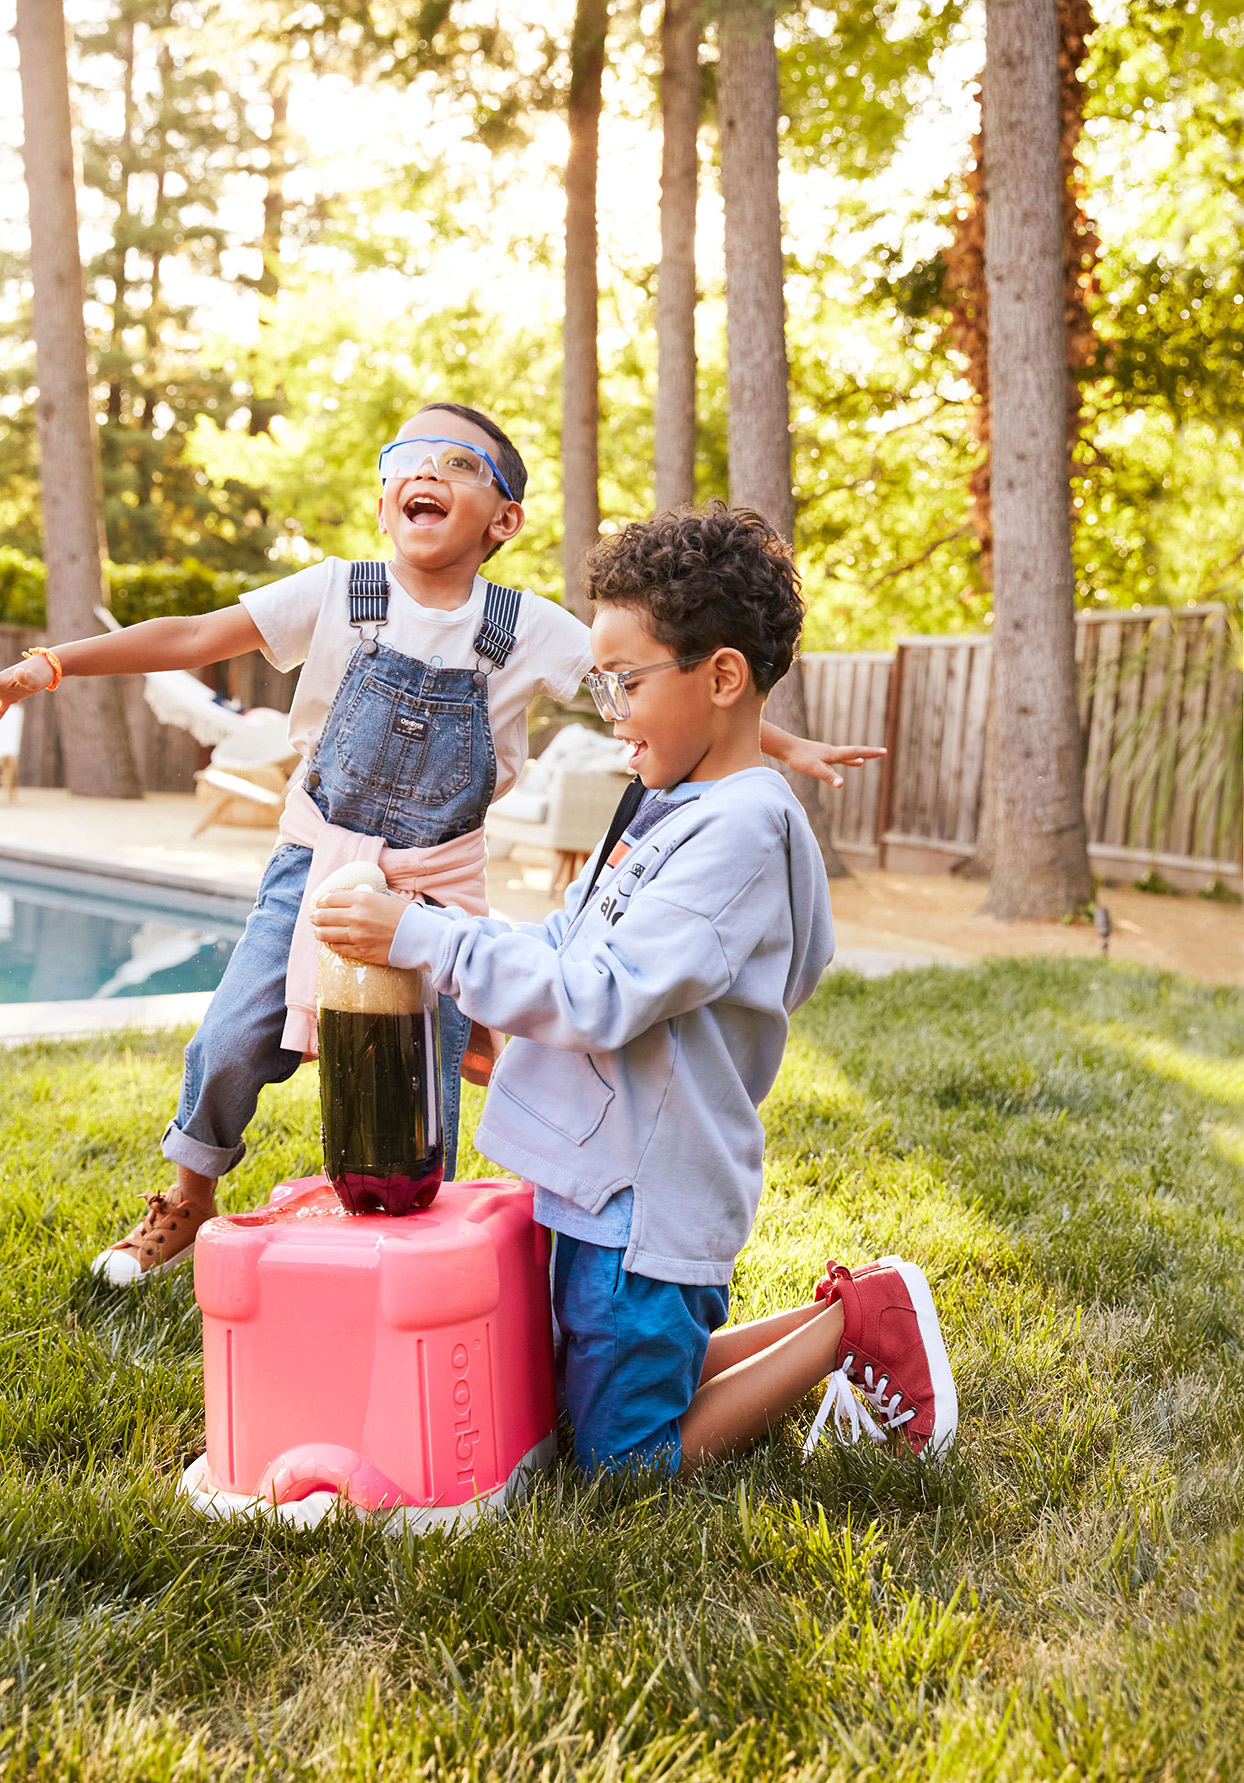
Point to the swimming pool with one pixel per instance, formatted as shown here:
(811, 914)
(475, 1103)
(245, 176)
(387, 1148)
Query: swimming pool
(66, 936)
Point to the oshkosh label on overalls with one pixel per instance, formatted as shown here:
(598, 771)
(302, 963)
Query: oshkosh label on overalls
(411, 724)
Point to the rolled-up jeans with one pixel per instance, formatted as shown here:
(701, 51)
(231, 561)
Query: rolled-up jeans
(237, 1049)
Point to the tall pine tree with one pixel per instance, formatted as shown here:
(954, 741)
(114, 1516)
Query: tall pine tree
(1040, 853)
(581, 363)
(760, 445)
(674, 450)
(96, 743)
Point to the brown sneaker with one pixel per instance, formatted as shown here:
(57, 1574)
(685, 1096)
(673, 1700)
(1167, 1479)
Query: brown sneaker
(163, 1238)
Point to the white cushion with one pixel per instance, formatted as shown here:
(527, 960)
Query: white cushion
(523, 806)
(577, 750)
(11, 731)
(259, 741)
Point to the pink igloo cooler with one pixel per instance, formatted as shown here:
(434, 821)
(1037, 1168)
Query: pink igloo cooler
(404, 1366)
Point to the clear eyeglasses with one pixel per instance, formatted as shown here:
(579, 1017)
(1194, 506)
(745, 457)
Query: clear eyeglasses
(609, 690)
(454, 462)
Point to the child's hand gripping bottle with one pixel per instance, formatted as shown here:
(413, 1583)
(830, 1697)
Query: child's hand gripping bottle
(380, 1077)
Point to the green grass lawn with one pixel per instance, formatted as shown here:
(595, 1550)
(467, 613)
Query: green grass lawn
(1061, 1146)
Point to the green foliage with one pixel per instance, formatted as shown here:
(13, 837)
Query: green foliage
(1165, 403)
(353, 376)
(240, 423)
(852, 73)
(162, 170)
(1158, 470)
(1173, 337)
(156, 590)
(165, 139)
(19, 474)
(882, 460)
(1154, 498)
(506, 74)
(354, 373)
(1059, 1144)
(136, 591)
(23, 589)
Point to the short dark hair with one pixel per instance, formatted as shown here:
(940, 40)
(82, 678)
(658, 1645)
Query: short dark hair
(509, 463)
(707, 578)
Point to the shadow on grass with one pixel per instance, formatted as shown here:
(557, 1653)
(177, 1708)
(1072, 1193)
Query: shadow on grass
(1046, 1139)
(1084, 1112)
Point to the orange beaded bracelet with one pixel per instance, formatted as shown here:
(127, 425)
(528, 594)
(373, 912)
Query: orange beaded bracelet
(58, 673)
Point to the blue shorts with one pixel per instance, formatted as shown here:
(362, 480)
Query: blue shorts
(631, 1354)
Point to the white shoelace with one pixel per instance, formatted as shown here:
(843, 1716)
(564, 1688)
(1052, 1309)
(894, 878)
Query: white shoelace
(850, 1415)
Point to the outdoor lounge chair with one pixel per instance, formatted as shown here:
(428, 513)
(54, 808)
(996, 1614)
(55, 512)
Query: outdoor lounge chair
(563, 800)
(248, 775)
(10, 749)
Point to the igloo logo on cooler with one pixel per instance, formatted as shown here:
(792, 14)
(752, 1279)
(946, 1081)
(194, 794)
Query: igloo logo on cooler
(465, 1437)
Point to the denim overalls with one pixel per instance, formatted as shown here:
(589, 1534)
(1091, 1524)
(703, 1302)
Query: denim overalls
(406, 753)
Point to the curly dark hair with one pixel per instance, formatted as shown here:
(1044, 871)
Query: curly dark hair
(707, 578)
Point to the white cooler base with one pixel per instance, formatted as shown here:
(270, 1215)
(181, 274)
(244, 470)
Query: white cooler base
(305, 1513)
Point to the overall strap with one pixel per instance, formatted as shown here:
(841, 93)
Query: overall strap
(499, 632)
(369, 601)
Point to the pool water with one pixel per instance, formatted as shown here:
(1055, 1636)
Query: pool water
(66, 936)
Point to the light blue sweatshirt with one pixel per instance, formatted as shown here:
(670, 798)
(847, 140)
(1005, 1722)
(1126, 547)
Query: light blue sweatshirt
(650, 1024)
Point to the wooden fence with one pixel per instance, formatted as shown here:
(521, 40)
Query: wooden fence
(1160, 706)
(941, 695)
(848, 701)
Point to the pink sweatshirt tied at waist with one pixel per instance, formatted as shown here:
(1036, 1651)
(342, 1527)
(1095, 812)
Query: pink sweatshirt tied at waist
(450, 872)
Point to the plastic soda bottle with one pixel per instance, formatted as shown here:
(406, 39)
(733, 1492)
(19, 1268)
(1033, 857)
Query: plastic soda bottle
(380, 1079)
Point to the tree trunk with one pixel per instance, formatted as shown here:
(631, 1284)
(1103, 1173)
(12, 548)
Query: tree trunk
(965, 292)
(91, 719)
(674, 466)
(580, 368)
(122, 231)
(759, 437)
(274, 189)
(263, 408)
(1040, 865)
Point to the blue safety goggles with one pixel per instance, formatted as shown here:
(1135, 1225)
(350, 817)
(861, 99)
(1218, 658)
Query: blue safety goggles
(455, 462)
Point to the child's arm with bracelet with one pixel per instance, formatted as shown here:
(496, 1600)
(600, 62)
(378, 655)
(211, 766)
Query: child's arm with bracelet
(184, 642)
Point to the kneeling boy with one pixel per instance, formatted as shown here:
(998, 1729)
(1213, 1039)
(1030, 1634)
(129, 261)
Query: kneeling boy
(650, 1017)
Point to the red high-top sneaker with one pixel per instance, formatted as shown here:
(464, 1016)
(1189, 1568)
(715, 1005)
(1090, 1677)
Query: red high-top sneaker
(893, 1355)
(825, 1285)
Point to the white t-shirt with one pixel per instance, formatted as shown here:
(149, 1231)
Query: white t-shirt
(305, 618)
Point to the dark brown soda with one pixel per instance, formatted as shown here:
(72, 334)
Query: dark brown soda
(378, 1078)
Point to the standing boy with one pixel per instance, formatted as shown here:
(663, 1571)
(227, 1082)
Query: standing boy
(650, 1016)
(410, 715)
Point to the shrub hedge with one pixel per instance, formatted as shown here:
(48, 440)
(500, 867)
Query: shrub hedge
(138, 590)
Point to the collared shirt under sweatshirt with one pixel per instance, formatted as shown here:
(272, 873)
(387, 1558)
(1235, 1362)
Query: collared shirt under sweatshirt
(649, 1025)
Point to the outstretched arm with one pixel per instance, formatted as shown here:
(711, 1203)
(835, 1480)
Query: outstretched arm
(185, 642)
(820, 761)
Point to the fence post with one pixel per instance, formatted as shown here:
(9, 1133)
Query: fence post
(885, 804)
